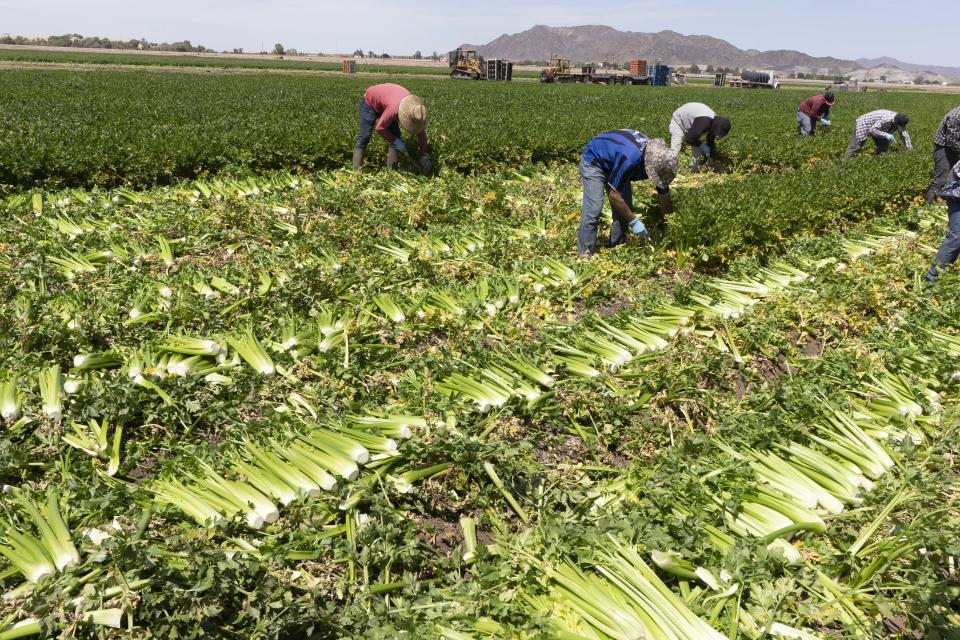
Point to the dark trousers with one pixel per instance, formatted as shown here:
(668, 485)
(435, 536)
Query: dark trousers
(855, 145)
(944, 158)
(368, 120)
(950, 249)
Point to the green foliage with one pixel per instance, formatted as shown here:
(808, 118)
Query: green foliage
(819, 314)
(752, 216)
(155, 128)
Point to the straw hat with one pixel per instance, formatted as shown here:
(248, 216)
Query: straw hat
(660, 162)
(413, 115)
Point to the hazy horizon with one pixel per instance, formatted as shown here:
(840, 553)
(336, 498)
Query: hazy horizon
(850, 30)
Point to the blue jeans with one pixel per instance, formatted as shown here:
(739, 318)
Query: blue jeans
(808, 126)
(368, 120)
(950, 249)
(595, 189)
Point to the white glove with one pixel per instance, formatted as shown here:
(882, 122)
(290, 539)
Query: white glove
(637, 228)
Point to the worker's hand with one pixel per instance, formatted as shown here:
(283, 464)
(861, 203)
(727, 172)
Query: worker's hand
(824, 122)
(425, 162)
(637, 228)
(399, 146)
(889, 137)
(705, 149)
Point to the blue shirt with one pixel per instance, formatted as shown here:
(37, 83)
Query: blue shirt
(620, 155)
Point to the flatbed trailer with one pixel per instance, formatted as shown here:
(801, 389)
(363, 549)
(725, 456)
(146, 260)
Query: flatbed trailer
(588, 75)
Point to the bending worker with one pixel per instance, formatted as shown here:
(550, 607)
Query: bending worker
(694, 121)
(878, 125)
(386, 108)
(611, 161)
(815, 109)
(946, 152)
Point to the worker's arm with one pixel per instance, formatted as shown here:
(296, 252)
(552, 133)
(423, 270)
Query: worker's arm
(620, 206)
(699, 127)
(385, 122)
(623, 210)
(877, 129)
(424, 146)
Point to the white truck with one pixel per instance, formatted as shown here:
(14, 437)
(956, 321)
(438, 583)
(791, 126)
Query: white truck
(750, 80)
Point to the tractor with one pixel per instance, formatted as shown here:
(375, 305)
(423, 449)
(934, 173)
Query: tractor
(465, 64)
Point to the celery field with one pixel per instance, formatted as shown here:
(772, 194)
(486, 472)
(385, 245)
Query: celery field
(248, 393)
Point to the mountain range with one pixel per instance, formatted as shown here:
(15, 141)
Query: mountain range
(598, 43)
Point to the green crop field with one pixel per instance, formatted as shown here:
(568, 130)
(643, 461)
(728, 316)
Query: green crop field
(65, 129)
(246, 392)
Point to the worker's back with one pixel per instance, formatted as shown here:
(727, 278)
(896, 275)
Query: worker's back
(686, 114)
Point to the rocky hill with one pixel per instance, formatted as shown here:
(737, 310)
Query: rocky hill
(890, 73)
(952, 73)
(598, 43)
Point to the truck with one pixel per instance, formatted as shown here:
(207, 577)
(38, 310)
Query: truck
(749, 80)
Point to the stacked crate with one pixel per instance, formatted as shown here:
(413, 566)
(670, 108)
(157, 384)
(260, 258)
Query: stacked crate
(349, 66)
(661, 75)
(638, 68)
(495, 69)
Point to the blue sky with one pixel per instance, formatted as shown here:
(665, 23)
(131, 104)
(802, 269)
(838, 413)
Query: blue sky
(920, 31)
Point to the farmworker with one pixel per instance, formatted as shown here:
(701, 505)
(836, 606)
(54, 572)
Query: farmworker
(815, 109)
(611, 161)
(690, 123)
(878, 125)
(386, 108)
(946, 152)
(950, 249)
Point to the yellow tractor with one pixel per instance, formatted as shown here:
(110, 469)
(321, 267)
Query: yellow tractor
(465, 64)
(559, 69)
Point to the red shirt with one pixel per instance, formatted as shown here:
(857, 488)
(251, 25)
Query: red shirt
(385, 100)
(816, 107)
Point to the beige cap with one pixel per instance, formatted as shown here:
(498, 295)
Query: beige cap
(413, 115)
(660, 162)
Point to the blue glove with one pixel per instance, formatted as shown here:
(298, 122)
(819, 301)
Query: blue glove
(399, 146)
(425, 162)
(824, 121)
(705, 148)
(637, 228)
(889, 136)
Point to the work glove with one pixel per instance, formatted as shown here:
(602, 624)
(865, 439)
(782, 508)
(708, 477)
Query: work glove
(399, 146)
(825, 122)
(889, 137)
(637, 228)
(705, 148)
(425, 162)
